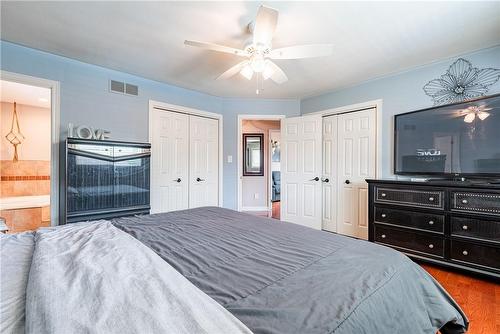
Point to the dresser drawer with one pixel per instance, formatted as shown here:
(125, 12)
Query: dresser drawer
(409, 197)
(410, 240)
(476, 228)
(404, 218)
(477, 254)
(475, 202)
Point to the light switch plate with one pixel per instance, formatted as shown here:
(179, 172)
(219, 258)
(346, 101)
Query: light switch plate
(229, 159)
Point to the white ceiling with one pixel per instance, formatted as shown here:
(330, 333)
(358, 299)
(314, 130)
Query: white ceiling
(24, 94)
(371, 39)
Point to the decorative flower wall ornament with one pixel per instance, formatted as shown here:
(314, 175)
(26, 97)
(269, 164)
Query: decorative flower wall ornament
(461, 82)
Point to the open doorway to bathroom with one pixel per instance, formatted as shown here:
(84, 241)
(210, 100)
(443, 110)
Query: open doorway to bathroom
(25, 156)
(259, 186)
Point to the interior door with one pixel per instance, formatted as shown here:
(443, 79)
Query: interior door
(301, 170)
(329, 179)
(169, 158)
(356, 162)
(204, 162)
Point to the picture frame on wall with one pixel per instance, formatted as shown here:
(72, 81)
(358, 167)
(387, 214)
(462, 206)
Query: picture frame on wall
(253, 154)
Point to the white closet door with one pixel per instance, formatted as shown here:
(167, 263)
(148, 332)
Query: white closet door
(301, 170)
(329, 179)
(169, 159)
(203, 162)
(356, 162)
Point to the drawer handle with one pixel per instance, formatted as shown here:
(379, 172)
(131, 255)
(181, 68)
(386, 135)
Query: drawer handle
(464, 201)
(465, 253)
(465, 227)
(383, 194)
(431, 222)
(384, 215)
(431, 246)
(383, 236)
(431, 199)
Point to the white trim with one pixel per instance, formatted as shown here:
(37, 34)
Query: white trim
(377, 104)
(239, 157)
(54, 87)
(183, 109)
(255, 208)
(270, 167)
(196, 112)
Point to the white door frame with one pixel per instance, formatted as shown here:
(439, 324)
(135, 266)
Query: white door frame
(377, 104)
(239, 155)
(270, 159)
(55, 130)
(195, 112)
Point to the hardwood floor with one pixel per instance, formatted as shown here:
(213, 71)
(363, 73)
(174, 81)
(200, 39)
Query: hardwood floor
(478, 298)
(276, 210)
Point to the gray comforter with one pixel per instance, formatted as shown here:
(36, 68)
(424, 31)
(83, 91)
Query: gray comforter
(94, 278)
(278, 277)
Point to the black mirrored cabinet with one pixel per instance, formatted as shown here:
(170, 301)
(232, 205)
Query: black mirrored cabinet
(106, 179)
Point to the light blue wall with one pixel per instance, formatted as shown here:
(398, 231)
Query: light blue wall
(85, 99)
(231, 109)
(400, 93)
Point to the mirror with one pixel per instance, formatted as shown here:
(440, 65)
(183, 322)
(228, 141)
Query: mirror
(253, 154)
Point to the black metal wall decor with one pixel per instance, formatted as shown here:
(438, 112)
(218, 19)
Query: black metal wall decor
(461, 82)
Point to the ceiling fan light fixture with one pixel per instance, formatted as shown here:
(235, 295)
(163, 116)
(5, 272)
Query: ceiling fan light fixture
(470, 117)
(483, 115)
(259, 53)
(257, 63)
(247, 72)
(268, 71)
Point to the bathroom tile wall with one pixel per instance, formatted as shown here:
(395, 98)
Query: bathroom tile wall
(24, 178)
(28, 219)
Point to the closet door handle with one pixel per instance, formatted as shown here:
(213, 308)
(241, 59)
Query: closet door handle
(178, 180)
(347, 181)
(315, 179)
(325, 180)
(199, 180)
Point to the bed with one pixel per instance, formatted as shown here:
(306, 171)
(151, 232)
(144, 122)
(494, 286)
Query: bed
(274, 277)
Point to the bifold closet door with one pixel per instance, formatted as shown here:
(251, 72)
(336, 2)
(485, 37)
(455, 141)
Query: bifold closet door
(169, 159)
(356, 163)
(330, 171)
(301, 170)
(203, 162)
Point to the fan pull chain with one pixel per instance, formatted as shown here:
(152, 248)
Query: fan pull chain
(257, 91)
(259, 83)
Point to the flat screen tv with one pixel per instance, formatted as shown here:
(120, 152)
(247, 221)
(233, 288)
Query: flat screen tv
(455, 139)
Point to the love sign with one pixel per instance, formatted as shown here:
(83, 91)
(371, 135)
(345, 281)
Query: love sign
(87, 132)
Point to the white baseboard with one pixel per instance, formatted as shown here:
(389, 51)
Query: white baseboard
(255, 208)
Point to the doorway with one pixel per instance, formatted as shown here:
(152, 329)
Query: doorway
(259, 164)
(28, 153)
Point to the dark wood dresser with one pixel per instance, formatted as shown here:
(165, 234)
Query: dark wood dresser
(455, 224)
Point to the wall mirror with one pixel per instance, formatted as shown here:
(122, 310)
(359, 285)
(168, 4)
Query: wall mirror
(253, 154)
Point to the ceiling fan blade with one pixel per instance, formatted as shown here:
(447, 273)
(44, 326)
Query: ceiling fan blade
(216, 47)
(265, 25)
(278, 75)
(233, 70)
(302, 51)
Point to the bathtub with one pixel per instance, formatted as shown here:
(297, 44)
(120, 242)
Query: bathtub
(23, 202)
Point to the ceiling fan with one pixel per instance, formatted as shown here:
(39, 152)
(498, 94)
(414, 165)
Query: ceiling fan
(259, 53)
